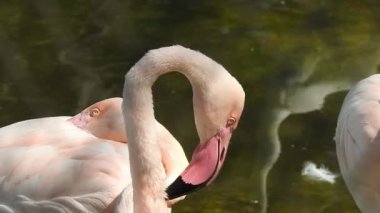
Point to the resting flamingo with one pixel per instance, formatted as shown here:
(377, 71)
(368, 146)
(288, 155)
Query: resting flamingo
(21, 142)
(103, 119)
(358, 143)
(80, 172)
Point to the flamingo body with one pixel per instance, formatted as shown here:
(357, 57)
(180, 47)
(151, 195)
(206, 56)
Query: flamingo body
(60, 160)
(79, 165)
(49, 161)
(358, 143)
(59, 164)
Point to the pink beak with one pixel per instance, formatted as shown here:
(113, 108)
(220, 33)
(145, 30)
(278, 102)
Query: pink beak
(78, 120)
(206, 162)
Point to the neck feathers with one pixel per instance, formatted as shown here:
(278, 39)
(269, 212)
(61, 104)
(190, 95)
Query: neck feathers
(198, 68)
(148, 174)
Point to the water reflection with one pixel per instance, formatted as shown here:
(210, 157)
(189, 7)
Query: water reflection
(295, 98)
(301, 97)
(292, 58)
(277, 117)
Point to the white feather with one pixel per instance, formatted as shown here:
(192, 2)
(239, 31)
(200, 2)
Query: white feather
(311, 171)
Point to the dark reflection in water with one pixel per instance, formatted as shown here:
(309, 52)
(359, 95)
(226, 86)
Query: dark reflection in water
(302, 141)
(296, 60)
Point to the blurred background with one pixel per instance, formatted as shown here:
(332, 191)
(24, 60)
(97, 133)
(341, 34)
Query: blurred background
(295, 59)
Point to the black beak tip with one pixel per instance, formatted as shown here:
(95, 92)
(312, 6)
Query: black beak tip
(179, 188)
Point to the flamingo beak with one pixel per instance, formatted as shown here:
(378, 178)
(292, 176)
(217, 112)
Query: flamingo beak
(78, 120)
(206, 162)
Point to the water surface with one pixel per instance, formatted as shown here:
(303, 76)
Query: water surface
(295, 60)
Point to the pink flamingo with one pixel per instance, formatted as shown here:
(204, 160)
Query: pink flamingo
(103, 119)
(358, 143)
(81, 172)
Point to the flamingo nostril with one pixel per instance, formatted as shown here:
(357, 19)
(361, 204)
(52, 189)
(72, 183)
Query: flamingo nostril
(222, 154)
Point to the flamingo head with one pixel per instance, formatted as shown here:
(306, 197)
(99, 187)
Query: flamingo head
(217, 111)
(103, 119)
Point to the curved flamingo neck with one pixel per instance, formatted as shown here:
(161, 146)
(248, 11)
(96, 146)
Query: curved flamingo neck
(148, 174)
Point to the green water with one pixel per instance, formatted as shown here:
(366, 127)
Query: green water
(295, 59)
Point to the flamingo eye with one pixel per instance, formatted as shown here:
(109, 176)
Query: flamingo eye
(94, 112)
(231, 121)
